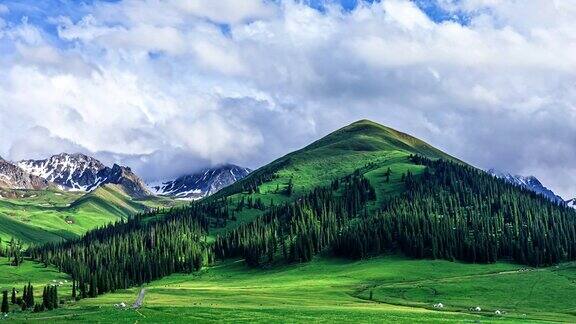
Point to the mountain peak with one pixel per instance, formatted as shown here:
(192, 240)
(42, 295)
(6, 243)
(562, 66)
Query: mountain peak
(366, 135)
(80, 172)
(527, 182)
(70, 171)
(571, 203)
(201, 184)
(14, 177)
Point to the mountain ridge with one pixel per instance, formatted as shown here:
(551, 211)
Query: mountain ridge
(528, 182)
(200, 184)
(80, 172)
(339, 153)
(14, 177)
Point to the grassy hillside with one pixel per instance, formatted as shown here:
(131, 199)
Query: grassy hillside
(37, 216)
(390, 288)
(336, 290)
(361, 145)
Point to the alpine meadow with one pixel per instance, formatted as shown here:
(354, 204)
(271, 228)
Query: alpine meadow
(287, 161)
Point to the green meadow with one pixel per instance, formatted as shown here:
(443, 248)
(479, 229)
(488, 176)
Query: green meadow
(40, 216)
(329, 290)
(390, 288)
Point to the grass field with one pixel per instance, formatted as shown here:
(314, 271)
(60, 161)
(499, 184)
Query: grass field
(384, 289)
(336, 290)
(38, 216)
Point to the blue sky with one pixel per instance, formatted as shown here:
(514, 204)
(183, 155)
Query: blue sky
(40, 12)
(172, 86)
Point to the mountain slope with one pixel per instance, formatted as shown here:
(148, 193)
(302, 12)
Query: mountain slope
(70, 171)
(571, 202)
(531, 183)
(39, 216)
(80, 172)
(360, 145)
(126, 179)
(13, 177)
(201, 184)
(353, 196)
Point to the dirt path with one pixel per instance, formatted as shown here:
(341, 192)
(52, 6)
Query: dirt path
(140, 299)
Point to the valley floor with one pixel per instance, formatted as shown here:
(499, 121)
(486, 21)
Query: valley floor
(328, 290)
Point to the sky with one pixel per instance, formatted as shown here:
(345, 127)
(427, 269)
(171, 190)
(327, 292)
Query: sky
(169, 87)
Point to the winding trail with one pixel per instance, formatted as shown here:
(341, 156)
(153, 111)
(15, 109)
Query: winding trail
(140, 299)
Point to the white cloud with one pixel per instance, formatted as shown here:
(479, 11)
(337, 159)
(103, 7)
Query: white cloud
(227, 11)
(148, 88)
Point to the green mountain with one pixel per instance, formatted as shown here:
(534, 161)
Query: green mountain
(364, 225)
(340, 153)
(361, 145)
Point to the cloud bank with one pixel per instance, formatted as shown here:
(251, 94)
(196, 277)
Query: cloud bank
(171, 86)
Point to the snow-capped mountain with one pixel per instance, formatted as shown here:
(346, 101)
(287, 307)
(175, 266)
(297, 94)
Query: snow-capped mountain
(84, 173)
(201, 184)
(571, 203)
(70, 171)
(530, 183)
(14, 177)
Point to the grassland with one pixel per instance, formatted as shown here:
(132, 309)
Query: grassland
(384, 289)
(35, 216)
(335, 290)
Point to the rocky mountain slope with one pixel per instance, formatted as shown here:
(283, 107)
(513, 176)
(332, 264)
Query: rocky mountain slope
(70, 171)
(84, 173)
(200, 184)
(13, 177)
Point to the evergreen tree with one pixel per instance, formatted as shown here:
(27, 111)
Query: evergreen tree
(13, 296)
(5, 308)
(24, 298)
(30, 296)
(54, 297)
(73, 289)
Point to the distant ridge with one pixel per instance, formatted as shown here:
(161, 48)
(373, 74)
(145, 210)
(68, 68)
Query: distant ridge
(201, 184)
(79, 172)
(14, 177)
(530, 182)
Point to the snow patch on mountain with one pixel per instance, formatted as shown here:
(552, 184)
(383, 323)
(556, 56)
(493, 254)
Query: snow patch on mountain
(14, 177)
(530, 183)
(201, 184)
(79, 172)
(571, 203)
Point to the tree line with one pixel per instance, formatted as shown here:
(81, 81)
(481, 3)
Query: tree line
(457, 212)
(131, 253)
(449, 211)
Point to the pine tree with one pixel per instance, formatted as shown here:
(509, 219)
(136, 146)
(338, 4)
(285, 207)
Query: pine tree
(48, 298)
(30, 295)
(25, 298)
(13, 296)
(5, 308)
